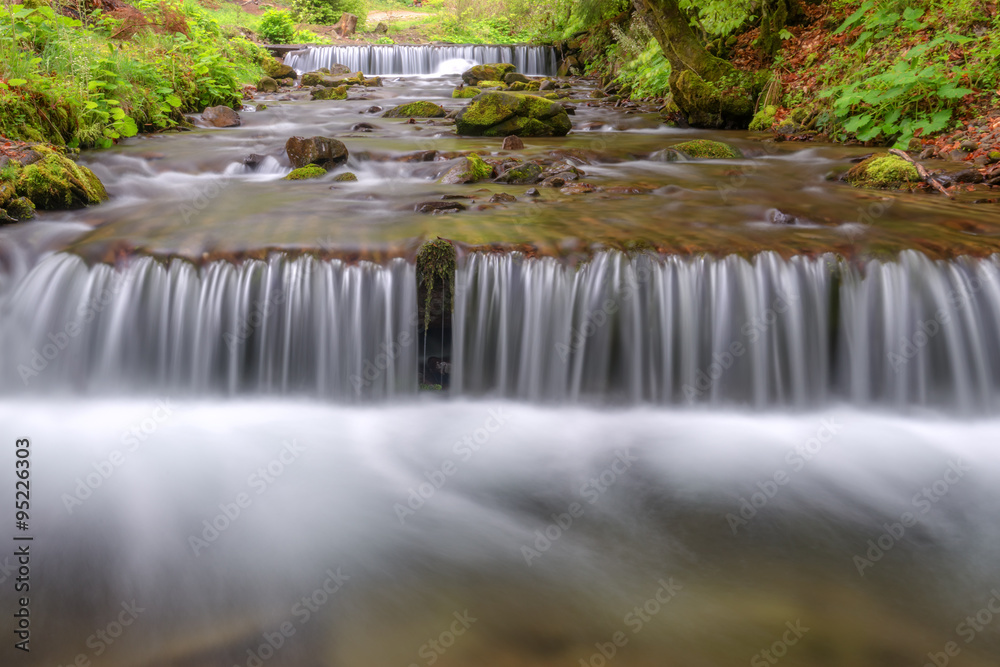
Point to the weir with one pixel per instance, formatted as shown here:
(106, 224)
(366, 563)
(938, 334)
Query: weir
(411, 59)
(623, 329)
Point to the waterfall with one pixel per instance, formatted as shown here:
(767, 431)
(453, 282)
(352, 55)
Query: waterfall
(798, 332)
(281, 326)
(761, 332)
(408, 59)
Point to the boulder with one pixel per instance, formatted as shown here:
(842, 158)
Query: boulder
(337, 69)
(56, 182)
(321, 151)
(469, 170)
(667, 155)
(491, 84)
(465, 92)
(493, 72)
(512, 143)
(267, 85)
(710, 150)
(220, 117)
(499, 114)
(345, 177)
(276, 69)
(883, 171)
(512, 77)
(415, 110)
(338, 93)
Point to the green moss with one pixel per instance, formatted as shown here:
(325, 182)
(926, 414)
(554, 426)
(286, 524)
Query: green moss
(492, 72)
(56, 182)
(312, 78)
(338, 93)
(21, 208)
(764, 119)
(994, 156)
(497, 114)
(705, 149)
(491, 84)
(883, 171)
(308, 171)
(277, 70)
(473, 169)
(419, 109)
(466, 92)
(436, 264)
(346, 176)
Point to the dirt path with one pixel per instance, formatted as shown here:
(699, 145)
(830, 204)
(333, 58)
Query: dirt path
(394, 15)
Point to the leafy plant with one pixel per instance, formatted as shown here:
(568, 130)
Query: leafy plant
(276, 26)
(327, 12)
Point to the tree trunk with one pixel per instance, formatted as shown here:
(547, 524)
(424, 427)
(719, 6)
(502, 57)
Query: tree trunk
(710, 91)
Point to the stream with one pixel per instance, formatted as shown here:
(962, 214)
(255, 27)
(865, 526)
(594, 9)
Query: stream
(671, 429)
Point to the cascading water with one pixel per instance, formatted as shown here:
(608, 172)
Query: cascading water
(408, 59)
(674, 330)
(284, 326)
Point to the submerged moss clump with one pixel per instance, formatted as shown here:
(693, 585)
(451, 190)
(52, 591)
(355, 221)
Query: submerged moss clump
(883, 171)
(436, 262)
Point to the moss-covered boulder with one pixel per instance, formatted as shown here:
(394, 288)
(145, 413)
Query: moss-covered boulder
(277, 70)
(519, 85)
(345, 177)
(493, 72)
(764, 119)
(324, 152)
(471, 169)
(704, 149)
(512, 77)
(883, 171)
(497, 114)
(489, 85)
(415, 110)
(465, 92)
(305, 173)
(312, 78)
(12, 207)
(56, 182)
(522, 174)
(267, 85)
(338, 93)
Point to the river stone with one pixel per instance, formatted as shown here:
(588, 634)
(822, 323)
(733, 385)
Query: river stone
(338, 93)
(577, 189)
(512, 143)
(499, 114)
(502, 197)
(706, 149)
(883, 171)
(322, 151)
(492, 72)
(267, 85)
(469, 170)
(220, 117)
(512, 77)
(56, 182)
(522, 174)
(415, 110)
(277, 69)
(436, 207)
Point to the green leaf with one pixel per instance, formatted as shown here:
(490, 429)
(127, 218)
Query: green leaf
(856, 122)
(90, 105)
(855, 17)
(17, 82)
(951, 92)
(869, 133)
(173, 101)
(911, 13)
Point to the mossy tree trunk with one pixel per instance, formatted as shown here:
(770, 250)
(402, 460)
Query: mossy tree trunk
(710, 91)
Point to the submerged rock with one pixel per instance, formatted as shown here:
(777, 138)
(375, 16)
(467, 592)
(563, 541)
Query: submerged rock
(419, 109)
(502, 197)
(435, 207)
(883, 171)
(668, 155)
(345, 177)
(221, 116)
(708, 150)
(321, 151)
(499, 114)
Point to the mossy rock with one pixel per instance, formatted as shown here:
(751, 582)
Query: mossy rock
(339, 93)
(278, 70)
(491, 84)
(705, 149)
(492, 72)
(466, 92)
(419, 109)
(313, 78)
(883, 171)
(472, 169)
(20, 208)
(518, 86)
(513, 77)
(436, 264)
(267, 85)
(764, 119)
(345, 177)
(522, 174)
(56, 182)
(303, 173)
(499, 114)
(724, 103)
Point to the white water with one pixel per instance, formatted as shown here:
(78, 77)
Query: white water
(405, 59)
(334, 504)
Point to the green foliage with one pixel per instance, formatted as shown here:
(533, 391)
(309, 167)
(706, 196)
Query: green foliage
(70, 83)
(327, 12)
(308, 37)
(717, 18)
(276, 27)
(915, 95)
(436, 264)
(648, 73)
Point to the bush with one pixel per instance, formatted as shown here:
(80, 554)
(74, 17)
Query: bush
(327, 12)
(276, 27)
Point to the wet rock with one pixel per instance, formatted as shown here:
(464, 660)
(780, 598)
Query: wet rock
(419, 156)
(55, 182)
(374, 82)
(957, 155)
(372, 109)
(469, 170)
(17, 209)
(449, 197)
(626, 190)
(502, 198)
(668, 155)
(313, 78)
(597, 94)
(321, 151)
(466, 92)
(514, 77)
(968, 176)
(512, 143)
(553, 182)
(547, 85)
(339, 93)
(438, 207)
(776, 217)
(532, 192)
(277, 69)
(363, 127)
(499, 114)
(220, 117)
(419, 109)
(305, 173)
(969, 146)
(267, 85)
(578, 189)
(928, 153)
(522, 174)
(347, 176)
(492, 72)
(883, 171)
(704, 149)
(253, 161)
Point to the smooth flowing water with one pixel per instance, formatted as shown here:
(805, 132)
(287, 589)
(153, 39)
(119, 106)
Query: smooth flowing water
(408, 59)
(671, 432)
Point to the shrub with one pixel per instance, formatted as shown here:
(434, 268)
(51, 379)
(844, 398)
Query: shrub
(277, 27)
(327, 12)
